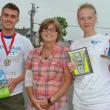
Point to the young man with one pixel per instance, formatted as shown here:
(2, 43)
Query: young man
(13, 52)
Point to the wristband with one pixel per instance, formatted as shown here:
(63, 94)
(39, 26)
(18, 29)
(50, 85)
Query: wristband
(50, 100)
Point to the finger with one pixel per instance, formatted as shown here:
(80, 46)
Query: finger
(31, 104)
(11, 88)
(40, 108)
(1, 86)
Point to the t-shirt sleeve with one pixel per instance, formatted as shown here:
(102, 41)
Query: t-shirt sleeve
(27, 48)
(28, 78)
(65, 57)
(28, 63)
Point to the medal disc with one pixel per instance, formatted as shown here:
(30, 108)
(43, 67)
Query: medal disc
(7, 62)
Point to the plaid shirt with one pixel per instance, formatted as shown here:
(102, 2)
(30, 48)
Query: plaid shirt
(48, 75)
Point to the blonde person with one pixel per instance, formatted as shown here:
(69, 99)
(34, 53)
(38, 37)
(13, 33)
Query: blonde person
(91, 91)
(48, 67)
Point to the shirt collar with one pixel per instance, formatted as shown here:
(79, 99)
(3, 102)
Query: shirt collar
(54, 50)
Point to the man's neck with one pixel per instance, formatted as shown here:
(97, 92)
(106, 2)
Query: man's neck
(8, 32)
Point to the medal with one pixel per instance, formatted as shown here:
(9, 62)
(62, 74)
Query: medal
(4, 44)
(7, 62)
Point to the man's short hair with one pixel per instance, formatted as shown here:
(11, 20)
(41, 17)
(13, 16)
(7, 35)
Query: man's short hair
(11, 6)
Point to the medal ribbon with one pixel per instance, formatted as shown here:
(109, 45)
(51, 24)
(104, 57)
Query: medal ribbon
(11, 44)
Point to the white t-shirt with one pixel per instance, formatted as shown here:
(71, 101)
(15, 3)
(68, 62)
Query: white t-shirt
(92, 91)
(17, 57)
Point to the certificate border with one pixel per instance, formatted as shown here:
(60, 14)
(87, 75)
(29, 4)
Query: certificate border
(88, 60)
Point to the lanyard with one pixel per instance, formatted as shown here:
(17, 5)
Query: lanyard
(11, 44)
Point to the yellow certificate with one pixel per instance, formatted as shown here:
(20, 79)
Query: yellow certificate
(81, 59)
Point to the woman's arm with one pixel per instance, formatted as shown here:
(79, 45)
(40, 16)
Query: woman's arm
(65, 86)
(60, 92)
(29, 88)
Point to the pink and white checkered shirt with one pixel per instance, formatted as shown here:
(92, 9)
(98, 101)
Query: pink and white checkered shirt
(48, 75)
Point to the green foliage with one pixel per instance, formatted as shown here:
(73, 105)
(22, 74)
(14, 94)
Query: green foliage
(63, 23)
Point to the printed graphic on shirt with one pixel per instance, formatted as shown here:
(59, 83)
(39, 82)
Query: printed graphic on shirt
(14, 56)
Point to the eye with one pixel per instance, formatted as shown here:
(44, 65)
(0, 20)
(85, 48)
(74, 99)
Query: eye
(90, 17)
(5, 15)
(13, 16)
(8, 15)
(49, 30)
(81, 18)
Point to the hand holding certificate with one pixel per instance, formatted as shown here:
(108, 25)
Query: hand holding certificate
(81, 59)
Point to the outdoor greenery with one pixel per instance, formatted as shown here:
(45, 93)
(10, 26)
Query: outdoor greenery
(63, 23)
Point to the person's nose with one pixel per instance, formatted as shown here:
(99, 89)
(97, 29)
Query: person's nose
(8, 18)
(85, 20)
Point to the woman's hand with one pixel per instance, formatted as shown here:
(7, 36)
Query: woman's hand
(44, 104)
(37, 104)
(71, 66)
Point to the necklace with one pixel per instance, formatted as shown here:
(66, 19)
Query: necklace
(45, 54)
(45, 58)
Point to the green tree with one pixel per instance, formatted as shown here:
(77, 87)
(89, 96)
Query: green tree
(63, 23)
